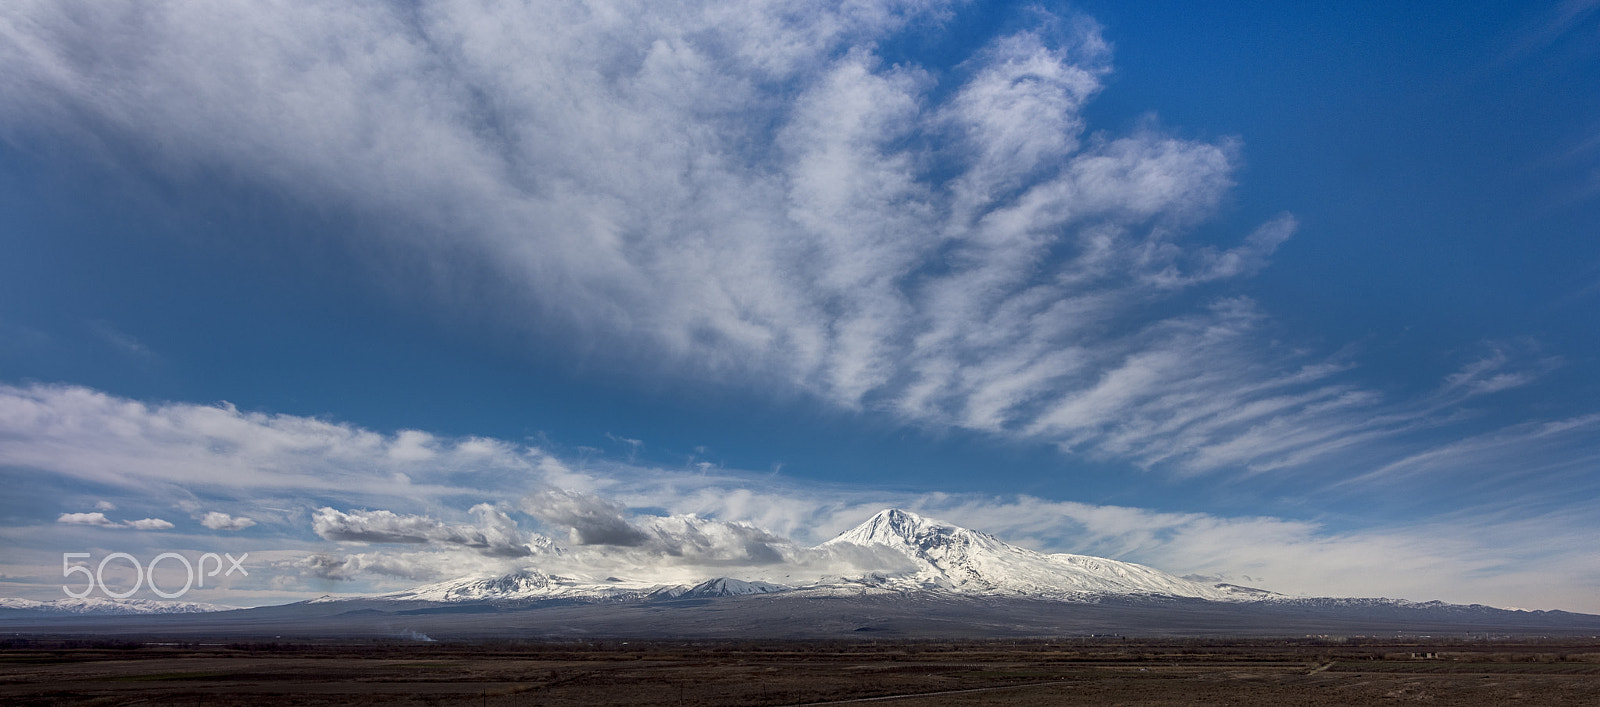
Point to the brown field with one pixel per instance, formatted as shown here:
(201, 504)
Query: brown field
(1077, 672)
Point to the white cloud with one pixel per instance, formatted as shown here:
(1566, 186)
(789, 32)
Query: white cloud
(414, 566)
(95, 437)
(496, 533)
(217, 520)
(149, 524)
(413, 445)
(591, 520)
(605, 534)
(99, 519)
(105, 506)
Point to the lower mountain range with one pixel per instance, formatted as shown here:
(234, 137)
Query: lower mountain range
(943, 581)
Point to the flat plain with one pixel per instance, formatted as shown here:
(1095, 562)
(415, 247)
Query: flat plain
(1082, 671)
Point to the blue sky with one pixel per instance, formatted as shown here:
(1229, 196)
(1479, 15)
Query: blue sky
(1274, 293)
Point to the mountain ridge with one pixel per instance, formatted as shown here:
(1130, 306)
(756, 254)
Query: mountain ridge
(109, 607)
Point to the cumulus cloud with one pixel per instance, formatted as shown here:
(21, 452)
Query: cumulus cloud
(495, 534)
(589, 520)
(736, 191)
(149, 524)
(350, 567)
(713, 541)
(99, 519)
(375, 526)
(217, 520)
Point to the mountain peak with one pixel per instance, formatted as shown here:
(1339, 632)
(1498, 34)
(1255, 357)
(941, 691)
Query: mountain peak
(902, 518)
(728, 586)
(896, 528)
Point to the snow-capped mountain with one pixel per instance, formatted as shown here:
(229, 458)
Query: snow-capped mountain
(910, 553)
(525, 585)
(106, 607)
(909, 576)
(533, 585)
(950, 558)
(729, 587)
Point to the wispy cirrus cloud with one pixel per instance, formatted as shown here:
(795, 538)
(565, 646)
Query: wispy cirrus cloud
(1502, 455)
(736, 192)
(1551, 25)
(122, 341)
(1503, 366)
